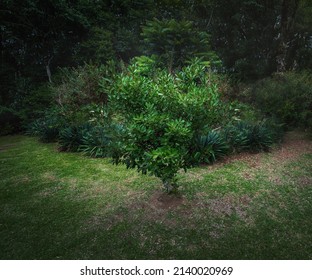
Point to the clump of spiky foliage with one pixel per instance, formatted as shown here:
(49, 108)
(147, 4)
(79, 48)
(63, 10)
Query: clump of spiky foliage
(46, 129)
(95, 142)
(72, 137)
(253, 137)
(210, 147)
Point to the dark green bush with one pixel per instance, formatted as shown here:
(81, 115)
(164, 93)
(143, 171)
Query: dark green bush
(287, 97)
(48, 127)
(210, 147)
(35, 128)
(277, 129)
(46, 130)
(96, 142)
(252, 137)
(174, 42)
(80, 86)
(259, 138)
(237, 136)
(71, 138)
(10, 121)
(50, 133)
(145, 65)
(98, 46)
(34, 105)
(83, 90)
(117, 133)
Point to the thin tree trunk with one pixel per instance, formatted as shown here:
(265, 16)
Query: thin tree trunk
(49, 73)
(288, 14)
(282, 48)
(49, 70)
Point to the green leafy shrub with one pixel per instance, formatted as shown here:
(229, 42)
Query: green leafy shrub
(82, 89)
(46, 129)
(71, 138)
(144, 65)
(259, 137)
(80, 86)
(50, 133)
(163, 113)
(277, 129)
(99, 114)
(287, 97)
(157, 144)
(116, 147)
(35, 128)
(164, 162)
(198, 101)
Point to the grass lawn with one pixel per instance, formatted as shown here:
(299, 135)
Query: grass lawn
(66, 206)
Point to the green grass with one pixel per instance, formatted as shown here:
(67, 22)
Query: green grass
(65, 206)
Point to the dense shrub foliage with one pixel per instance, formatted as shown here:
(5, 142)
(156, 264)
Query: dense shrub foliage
(187, 94)
(252, 137)
(72, 137)
(48, 127)
(82, 93)
(211, 146)
(81, 86)
(165, 114)
(287, 97)
(94, 141)
(10, 121)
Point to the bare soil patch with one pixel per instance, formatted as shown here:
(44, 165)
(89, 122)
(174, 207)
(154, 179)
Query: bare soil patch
(294, 145)
(161, 200)
(226, 205)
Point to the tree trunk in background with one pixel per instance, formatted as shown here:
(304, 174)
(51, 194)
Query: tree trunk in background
(288, 15)
(49, 73)
(49, 70)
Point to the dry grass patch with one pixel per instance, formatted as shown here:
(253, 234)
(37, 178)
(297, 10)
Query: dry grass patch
(49, 176)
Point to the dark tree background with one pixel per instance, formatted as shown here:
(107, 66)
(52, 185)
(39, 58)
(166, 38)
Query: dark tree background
(251, 38)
